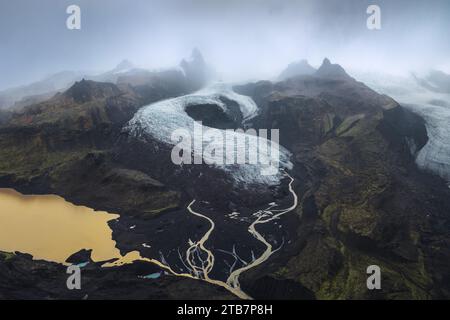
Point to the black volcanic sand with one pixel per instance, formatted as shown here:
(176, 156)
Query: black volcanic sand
(168, 234)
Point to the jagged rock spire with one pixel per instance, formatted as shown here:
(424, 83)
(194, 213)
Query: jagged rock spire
(332, 71)
(294, 69)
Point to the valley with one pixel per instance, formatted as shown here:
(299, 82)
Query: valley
(348, 194)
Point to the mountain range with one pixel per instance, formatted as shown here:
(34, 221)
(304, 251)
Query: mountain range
(363, 200)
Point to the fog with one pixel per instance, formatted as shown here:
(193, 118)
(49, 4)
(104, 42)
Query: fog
(241, 39)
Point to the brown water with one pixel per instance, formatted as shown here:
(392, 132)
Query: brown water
(50, 228)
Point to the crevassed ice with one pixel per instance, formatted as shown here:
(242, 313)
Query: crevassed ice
(435, 155)
(159, 120)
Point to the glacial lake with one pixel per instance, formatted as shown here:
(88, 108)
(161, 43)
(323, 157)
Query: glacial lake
(50, 228)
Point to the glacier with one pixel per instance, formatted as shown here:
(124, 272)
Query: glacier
(158, 121)
(432, 106)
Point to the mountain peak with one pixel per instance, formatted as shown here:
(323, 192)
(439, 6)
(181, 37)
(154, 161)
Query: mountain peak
(332, 71)
(298, 68)
(196, 70)
(196, 54)
(123, 65)
(196, 58)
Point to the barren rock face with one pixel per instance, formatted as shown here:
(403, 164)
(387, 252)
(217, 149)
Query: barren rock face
(355, 153)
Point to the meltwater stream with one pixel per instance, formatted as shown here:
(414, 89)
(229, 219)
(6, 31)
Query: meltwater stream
(199, 260)
(50, 228)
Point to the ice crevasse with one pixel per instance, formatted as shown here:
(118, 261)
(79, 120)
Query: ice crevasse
(159, 120)
(433, 107)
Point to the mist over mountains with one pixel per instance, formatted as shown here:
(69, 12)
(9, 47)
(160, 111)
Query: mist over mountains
(243, 40)
(130, 116)
(193, 71)
(354, 192)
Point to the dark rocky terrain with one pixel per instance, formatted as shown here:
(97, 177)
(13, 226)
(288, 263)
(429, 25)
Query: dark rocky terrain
(24, 278)
(363, 200)
(4, 116)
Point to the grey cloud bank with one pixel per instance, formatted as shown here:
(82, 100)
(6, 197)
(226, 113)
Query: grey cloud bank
(251, 39)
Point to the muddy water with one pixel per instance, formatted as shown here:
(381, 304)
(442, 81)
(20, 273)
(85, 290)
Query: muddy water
(52, 229)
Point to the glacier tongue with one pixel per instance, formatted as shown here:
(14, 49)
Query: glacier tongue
(160, 120)
(435, 156)
(433, 107)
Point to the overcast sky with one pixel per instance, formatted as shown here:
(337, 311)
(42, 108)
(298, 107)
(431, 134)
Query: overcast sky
(240, 38)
